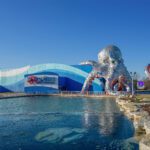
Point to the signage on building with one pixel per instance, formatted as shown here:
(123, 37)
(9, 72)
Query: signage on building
(140, 85)
(42, 81)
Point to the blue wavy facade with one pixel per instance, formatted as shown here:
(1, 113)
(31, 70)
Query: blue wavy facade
(71, 77)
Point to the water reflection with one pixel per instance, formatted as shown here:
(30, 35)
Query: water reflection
(105, 119)
(60, 135)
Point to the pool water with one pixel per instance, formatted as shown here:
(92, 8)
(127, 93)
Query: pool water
(63, 123)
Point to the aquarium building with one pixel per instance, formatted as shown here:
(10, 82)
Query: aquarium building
(47, 78)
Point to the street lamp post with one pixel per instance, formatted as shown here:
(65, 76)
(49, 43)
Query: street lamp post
(133, 74)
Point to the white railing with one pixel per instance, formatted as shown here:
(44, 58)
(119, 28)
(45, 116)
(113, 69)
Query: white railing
(79, 93)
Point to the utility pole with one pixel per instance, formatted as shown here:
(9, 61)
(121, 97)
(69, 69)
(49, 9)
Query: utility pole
(133, 74)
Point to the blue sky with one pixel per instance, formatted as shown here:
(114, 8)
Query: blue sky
(69, 31)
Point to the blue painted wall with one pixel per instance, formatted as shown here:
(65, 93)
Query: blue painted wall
(40, 90)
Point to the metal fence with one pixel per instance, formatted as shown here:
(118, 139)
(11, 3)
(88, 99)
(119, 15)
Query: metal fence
(79, 93)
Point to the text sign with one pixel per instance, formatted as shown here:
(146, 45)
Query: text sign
(42, 80)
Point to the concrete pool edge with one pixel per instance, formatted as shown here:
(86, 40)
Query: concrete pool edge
(140, 119)
(17, 95)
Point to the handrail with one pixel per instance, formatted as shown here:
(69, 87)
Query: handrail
(96, 93)
(86, 93)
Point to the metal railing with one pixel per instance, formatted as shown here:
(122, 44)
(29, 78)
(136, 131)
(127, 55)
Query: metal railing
(85, 93)
(72, 93)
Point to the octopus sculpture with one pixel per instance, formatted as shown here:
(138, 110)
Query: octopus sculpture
(110, 66)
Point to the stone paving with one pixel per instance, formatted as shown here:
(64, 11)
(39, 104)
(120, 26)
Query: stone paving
(139, 113)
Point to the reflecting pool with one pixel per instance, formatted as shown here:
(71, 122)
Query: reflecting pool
(64, 123)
